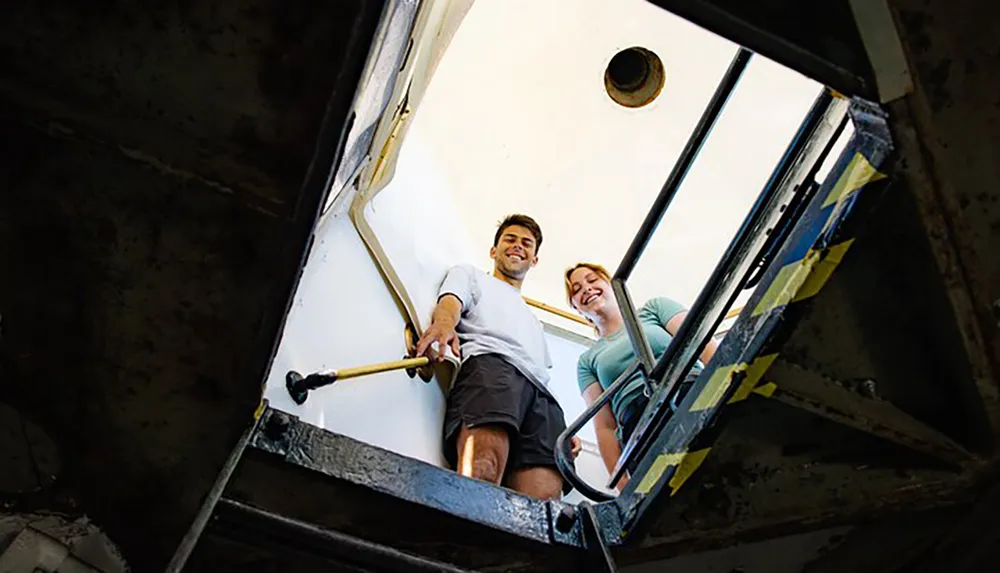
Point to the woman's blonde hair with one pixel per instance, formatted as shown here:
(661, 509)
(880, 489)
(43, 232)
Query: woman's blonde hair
(598, 270)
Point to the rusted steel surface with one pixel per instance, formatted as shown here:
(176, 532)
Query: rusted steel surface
(154, 208)
(949, 153)
(813, 393)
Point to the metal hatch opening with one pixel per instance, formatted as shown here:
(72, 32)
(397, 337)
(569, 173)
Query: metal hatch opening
(391, 203)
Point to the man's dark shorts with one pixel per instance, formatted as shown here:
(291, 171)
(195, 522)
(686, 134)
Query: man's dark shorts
(489, 390)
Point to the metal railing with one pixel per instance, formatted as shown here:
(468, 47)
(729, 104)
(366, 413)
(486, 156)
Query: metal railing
(751, 247)
(677, 175)
(645, 360)
(725, 283)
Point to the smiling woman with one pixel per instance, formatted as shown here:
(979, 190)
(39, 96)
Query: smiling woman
(588, 288)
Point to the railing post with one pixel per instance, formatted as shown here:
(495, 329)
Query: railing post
(677, 174)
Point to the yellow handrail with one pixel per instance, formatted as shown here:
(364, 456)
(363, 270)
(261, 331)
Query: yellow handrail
(579, 319)
(557, 311)
(407, 363)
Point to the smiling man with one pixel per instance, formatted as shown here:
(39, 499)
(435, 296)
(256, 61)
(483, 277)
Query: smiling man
(501, 422)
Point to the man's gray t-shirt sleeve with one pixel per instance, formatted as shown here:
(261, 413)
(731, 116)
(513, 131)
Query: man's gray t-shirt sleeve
(496, 320)
(461, 283)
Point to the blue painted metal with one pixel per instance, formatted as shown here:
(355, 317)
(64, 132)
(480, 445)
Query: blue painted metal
(406, 479)
(598, 556)
(753, 336)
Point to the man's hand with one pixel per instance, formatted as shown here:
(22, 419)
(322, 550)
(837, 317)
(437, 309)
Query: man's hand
(442, 329)
(444, 335)
(576, 446)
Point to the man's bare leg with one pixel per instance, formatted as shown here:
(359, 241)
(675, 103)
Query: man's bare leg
(482, 452)
(541, 482)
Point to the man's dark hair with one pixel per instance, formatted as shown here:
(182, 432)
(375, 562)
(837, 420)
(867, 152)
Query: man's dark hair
(520, 221)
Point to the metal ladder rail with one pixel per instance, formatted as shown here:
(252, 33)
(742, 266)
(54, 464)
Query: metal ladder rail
(646, 360)
(731, 273)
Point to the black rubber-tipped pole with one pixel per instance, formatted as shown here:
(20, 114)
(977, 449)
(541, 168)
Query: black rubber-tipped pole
(298, 386)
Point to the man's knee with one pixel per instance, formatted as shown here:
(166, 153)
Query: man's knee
(486, 466)
(538, 482)
(483, 453)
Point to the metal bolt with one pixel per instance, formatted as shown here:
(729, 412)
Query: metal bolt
(276, 426)
(868, 388)
(566, 518)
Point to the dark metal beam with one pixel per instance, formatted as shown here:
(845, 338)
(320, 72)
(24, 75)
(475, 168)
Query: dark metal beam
(971, 546)
(806, 390)
(339, 458)
(823, 45)
(193, 534)
(881, 547)
(238, 521)
(948, 157)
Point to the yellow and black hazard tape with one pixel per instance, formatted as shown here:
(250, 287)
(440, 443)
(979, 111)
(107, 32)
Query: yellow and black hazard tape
(804, 278)
(859, 172)
(795, 281)
(722, 378)
(686, 463)
(262, 404)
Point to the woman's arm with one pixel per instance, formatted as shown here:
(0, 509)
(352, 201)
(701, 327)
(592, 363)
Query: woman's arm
(605, 427)
(674, 324)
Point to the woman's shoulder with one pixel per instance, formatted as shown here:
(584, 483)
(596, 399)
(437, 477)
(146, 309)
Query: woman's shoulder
(661, 307)
(588, 357)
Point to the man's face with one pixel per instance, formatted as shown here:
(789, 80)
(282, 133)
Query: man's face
(514, 253)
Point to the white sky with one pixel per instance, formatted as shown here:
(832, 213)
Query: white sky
(517, 120)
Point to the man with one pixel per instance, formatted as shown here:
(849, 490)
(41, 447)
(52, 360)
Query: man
(501, 421)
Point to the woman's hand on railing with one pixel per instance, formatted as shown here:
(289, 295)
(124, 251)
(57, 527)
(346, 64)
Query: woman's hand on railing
(576, 446)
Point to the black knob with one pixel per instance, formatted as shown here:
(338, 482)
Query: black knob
(296, 387)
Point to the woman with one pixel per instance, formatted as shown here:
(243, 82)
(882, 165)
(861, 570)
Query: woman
(588, 288)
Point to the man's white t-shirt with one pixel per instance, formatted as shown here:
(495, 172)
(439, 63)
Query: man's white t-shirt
(496, 320)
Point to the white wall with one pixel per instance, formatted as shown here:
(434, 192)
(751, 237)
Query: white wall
(344, 315)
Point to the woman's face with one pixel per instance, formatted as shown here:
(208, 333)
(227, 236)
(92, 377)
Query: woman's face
(590, 292)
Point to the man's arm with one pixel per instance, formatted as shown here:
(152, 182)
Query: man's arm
(442, 329)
